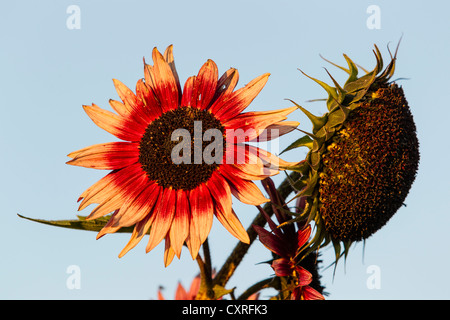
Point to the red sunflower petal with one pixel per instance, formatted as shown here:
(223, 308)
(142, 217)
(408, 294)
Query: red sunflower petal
(114, 124)
(250, 125)
(169, 253)
(232, 223)
(150, 109)
(126, 95)
(120, 108)
(225, 109)
(108, 228)
(164, 212)
(139, 231)
(250, 171)
(110, 186)
(131, 106)
(221, 194)
(118, 194)
(101, 190)
(163, 82)
(245, 162)
(138, 204)
(277, 130)
(187, 91)
(205, 85)
(225, 86)
(149, 75)
(244, 190)
(168, 56)
(240, 154)
(179, 230)
(201, 218)
(107, 156)
(270, 160)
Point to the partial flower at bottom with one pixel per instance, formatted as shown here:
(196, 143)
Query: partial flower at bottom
(182, 294)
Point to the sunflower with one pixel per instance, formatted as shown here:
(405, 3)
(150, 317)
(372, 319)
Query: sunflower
(363, 157)
(183, 153)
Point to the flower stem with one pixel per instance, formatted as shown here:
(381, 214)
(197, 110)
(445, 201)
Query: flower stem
(266, 283)
(205, 291)
(207, 254)
(239, 251)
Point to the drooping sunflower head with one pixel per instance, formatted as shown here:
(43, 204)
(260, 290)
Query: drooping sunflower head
(363, 157)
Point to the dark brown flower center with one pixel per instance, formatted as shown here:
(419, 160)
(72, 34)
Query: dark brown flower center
(182, 148)
(370, 167)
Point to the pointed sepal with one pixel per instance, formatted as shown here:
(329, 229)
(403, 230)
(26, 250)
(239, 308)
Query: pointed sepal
(304, 141)
(317, 122)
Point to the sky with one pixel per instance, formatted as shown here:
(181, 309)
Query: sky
(59, 55)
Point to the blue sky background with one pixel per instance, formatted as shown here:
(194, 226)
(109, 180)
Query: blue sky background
(49, 71)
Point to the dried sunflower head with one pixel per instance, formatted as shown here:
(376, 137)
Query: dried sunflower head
(363, 157)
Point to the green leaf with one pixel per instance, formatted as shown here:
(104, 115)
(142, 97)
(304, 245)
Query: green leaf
(81, 223)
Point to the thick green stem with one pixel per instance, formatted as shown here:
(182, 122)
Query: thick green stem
(235, 258)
